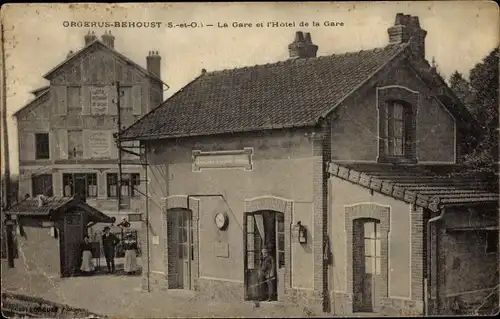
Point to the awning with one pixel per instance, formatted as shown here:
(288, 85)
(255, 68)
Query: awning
(55, 207)
(429, 186)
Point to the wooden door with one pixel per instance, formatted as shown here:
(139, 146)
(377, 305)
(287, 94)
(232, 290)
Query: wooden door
(181, 239)
(252, 244)
(280, 255)
(72, 237)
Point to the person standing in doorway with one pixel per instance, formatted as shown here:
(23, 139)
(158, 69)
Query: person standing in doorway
(109, 241)
(267, 275)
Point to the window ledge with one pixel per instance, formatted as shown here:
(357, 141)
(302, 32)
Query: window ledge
(397, 160)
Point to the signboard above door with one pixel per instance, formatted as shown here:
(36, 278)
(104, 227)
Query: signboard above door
(223, 159)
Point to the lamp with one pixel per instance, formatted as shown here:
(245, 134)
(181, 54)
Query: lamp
(302, 232)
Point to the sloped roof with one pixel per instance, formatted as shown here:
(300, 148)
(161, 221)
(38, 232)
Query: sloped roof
(38, 97)
(291, 93)
(431, 187)
(56, 206)
(97, 42)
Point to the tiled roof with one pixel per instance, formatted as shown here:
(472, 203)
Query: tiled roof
(291, 93)
(54, 206)
(427, 186)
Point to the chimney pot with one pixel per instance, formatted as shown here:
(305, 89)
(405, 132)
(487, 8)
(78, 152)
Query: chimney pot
(302, 47)
(407, 28)
(399, 19)
(299, 36)
(153, 63)
(307, 37)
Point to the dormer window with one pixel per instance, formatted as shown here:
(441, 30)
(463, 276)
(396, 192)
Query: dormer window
(397, 125)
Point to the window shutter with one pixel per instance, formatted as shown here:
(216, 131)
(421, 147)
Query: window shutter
(87, 152)
(410, 124)
(85, 100)
(112, 110)
(62, 144)
(62, 100)
(29, 146)
(382, 135)
(136, 100)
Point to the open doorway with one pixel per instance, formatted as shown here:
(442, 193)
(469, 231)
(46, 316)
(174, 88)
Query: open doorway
(264, 229)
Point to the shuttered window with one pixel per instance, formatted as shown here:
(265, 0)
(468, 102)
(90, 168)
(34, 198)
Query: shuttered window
(397, 133)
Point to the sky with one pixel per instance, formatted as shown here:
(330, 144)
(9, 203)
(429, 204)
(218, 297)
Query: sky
(459, 35)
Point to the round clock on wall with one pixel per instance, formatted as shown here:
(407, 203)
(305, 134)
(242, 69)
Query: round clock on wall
(221, 220)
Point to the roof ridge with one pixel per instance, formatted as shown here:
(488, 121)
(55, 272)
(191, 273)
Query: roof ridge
(306, 60)
(114, 51)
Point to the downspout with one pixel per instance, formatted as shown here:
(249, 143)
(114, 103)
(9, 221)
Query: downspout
(429, 263)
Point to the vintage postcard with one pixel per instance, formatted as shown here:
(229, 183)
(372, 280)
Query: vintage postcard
(310, 159)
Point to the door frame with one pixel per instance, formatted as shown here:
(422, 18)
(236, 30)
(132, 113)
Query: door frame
(61, 226)
(280, 273)
(367, 210)
(282, 205)
(173, 241)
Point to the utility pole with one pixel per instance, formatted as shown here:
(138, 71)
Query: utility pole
(9, 224)
(119, 144)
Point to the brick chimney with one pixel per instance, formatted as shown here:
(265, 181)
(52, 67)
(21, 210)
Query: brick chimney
(108, 39)
(302, 46)
(90, 37)
(407, 28)
(153, 63)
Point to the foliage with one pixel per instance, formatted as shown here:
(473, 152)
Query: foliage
(480, 96)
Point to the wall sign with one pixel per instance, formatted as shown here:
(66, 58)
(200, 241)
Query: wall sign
(100, 144)
(223, 159)
(98, 100)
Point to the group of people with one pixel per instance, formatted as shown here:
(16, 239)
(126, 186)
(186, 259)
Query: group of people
(109, 242)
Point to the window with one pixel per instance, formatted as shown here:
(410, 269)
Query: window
(129, 184)
(397, 131)
(42, 185)
(75, 144)
(112, 184)
(84, 185)
(372, 247)
(491, 241)
(42, 146)
(74, 102)
(126, 100)
(280, 231)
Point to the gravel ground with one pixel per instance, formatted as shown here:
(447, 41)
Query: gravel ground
(117, 295)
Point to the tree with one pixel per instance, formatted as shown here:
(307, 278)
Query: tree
(484, 84)
(462, 88)
(480, 96)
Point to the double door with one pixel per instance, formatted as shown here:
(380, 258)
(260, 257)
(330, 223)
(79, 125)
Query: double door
(264, 229)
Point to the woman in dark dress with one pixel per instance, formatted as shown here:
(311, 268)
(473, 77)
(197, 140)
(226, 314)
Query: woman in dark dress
(87, 266)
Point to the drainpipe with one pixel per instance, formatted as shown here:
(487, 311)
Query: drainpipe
(429, 263)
